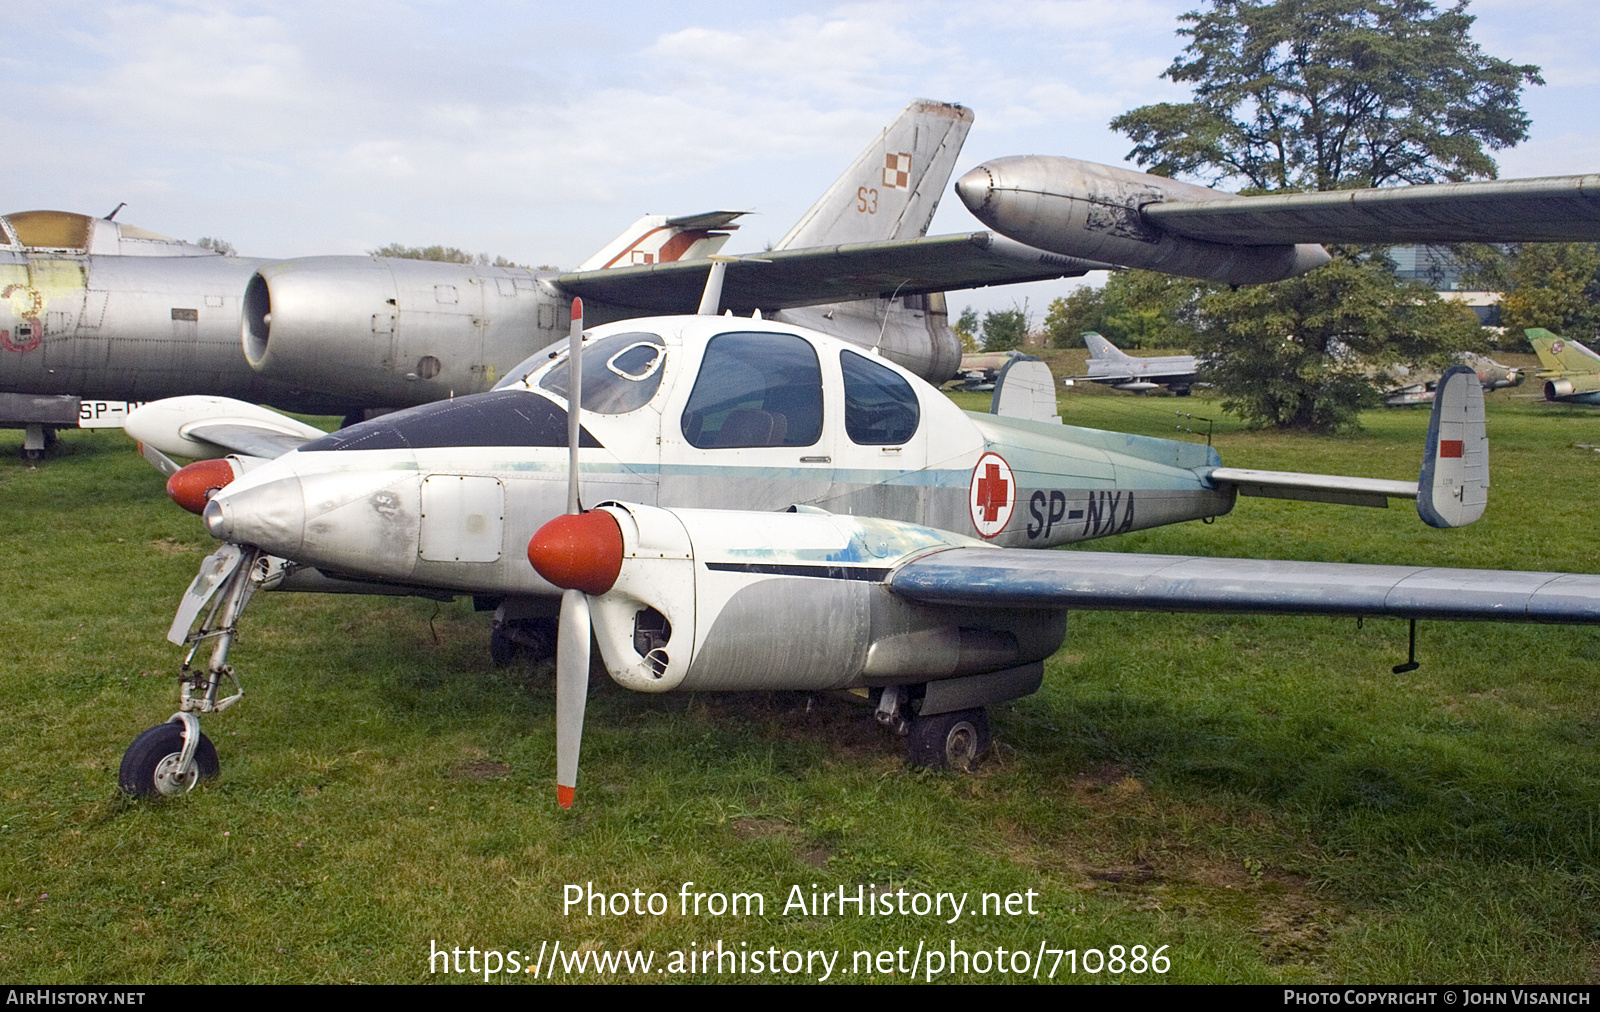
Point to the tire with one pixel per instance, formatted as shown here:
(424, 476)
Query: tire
(502, 651)
(144, 759)
(949, 740)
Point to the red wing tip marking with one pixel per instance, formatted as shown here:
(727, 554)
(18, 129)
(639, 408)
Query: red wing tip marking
(564, 795)
(1451, 447)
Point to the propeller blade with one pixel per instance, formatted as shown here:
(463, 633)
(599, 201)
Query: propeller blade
(572, 691)
(574, 402)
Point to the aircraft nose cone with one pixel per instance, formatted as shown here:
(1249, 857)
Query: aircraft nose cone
(975, 188)
(579, 551)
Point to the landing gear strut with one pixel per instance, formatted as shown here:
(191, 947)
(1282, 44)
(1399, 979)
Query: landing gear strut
(532, 638)
(171, 758)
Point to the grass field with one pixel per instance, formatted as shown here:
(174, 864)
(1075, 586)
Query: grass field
(1261, 796)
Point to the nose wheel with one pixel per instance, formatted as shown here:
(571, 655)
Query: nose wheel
(168, 760)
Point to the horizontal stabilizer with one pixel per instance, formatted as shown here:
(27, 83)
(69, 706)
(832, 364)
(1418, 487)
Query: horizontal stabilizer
(778, 279)
(1454, 487)
(1115, 581)
(1330, 488)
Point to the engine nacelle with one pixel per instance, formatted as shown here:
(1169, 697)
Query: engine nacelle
(394, 332)
(720, 600)
(1559, 389)
(1082, 209)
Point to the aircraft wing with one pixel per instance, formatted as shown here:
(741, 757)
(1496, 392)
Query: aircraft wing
(1117, 581)
(248, 440)
(778, 279)
(1551, 209)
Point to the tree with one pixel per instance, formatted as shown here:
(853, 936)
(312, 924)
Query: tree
(1328, 94)
(1556, 286)
(966, 328)
(1070, 316)
(1324, 94)
(1004, 329)
(216, 245)
(1303, 353)
(442, 254)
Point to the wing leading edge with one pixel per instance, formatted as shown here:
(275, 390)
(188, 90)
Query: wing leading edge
(1116, 581)
(779, 279)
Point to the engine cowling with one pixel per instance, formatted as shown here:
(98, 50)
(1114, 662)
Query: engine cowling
(1082, 209)
(730, 601)
(393, 332)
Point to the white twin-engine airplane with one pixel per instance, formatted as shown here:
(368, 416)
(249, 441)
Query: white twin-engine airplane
(767, 508)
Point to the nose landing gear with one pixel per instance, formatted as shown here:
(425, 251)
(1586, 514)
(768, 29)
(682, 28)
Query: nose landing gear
(169, 759)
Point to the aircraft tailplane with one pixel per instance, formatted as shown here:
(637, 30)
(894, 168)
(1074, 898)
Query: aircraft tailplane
(1454, 486)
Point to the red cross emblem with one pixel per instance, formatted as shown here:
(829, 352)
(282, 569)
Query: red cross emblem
(992, 494)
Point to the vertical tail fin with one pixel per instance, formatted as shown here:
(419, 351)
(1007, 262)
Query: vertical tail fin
(1099, 347)
(658, 239)
(1560, 355)
(893, 188)
(1454, 487)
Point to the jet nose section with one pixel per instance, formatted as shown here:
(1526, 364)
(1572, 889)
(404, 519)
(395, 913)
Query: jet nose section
(975, 189)
(270, 516)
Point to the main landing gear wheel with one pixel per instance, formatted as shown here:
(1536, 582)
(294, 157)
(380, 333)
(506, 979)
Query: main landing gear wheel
(151, 767)
(533, 639)
(949, 740)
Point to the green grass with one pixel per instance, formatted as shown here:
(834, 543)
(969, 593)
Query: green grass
(1261, 795)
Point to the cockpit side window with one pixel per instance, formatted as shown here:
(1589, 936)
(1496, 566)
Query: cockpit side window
(620, 373)
(880, 408)
(755, 389)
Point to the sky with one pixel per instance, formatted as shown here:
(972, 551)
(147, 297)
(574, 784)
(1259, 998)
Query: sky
(539, 131)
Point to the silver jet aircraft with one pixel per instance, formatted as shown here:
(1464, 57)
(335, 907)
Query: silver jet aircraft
(1112, 366)
(96, 309)
(1135, 219)
(769, 508)
(1418, 386)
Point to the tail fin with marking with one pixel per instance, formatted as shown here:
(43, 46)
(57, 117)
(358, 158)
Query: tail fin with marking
(1558, 355)
(1454, 487)
(658, 239)
(1100, 348)
(892, 189)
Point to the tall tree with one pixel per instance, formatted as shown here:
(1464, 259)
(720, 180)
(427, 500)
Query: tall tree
(1555, 286)
(1325, 94)
(1004, 329)
(1328, 94)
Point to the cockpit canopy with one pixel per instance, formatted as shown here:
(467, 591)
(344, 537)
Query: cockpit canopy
(70, 232)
